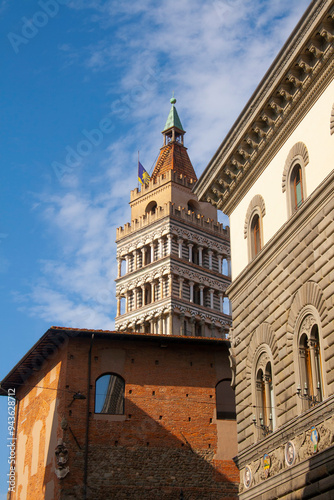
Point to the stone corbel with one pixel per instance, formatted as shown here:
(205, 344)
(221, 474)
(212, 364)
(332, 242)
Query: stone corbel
(315, 48)
(267, 119)
(276, 104)
(212, 201)
(237, 164)
(253, 140)
(224, 182)
(216, 191)
(242, 152)
(327, 31)
(261, 128)
(304, 62)
(285, 91)
(295, 78)
(230, 173)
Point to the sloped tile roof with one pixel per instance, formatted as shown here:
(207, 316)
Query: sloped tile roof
(174, 156)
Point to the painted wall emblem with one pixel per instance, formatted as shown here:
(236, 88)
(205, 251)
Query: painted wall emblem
(247, 477)
(290, 453)
(266, 464)
(314, 438)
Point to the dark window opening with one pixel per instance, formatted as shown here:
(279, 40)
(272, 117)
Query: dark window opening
(225, 400)
(255, 235)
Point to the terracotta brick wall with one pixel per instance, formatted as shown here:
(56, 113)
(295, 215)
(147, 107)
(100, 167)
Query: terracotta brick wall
(38, 427)
(167, 439)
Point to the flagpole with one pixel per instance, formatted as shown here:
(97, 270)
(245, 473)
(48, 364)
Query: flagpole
(138, 171)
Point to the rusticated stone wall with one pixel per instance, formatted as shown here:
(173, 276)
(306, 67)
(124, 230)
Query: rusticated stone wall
(293, 272)
(295, 269)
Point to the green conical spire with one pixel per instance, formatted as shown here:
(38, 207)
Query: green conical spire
(173, 119)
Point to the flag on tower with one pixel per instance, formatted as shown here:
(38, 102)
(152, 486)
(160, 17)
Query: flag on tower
(143, 176)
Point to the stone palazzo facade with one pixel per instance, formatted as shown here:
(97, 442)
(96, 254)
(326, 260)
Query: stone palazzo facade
(273, 175)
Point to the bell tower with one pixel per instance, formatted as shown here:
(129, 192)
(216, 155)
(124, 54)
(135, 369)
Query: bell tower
(174, 257)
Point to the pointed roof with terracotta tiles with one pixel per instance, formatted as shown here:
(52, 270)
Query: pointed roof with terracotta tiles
(173, 155)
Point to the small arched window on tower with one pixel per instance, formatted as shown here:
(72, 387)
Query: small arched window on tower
(310, 373)
(225, 400)
(151, 208)
(193, 206)
(109, 394)
(253, 228)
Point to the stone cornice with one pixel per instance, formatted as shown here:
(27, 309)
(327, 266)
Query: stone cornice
(301, 71)
(172, 264)
(166, 305)
(196, 310)
(284, 235)
(199, 274)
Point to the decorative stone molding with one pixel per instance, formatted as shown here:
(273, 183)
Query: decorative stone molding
(199, 278)
(193, 311)
(257, 201)
(309, 294)
(332, 121)
(304, 451)
(298, 151)
(262, 335)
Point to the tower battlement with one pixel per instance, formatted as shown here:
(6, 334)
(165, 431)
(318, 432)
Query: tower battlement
(171, 210)
(169, 176)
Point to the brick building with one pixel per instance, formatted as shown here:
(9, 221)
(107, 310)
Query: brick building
(104, 415)
(273, 175)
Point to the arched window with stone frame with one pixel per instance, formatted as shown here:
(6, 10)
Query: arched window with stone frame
(253, 228)
(263, 392)
(310, 384)
(293, 180)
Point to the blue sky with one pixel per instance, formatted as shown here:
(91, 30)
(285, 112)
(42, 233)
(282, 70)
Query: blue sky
(85, 85)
